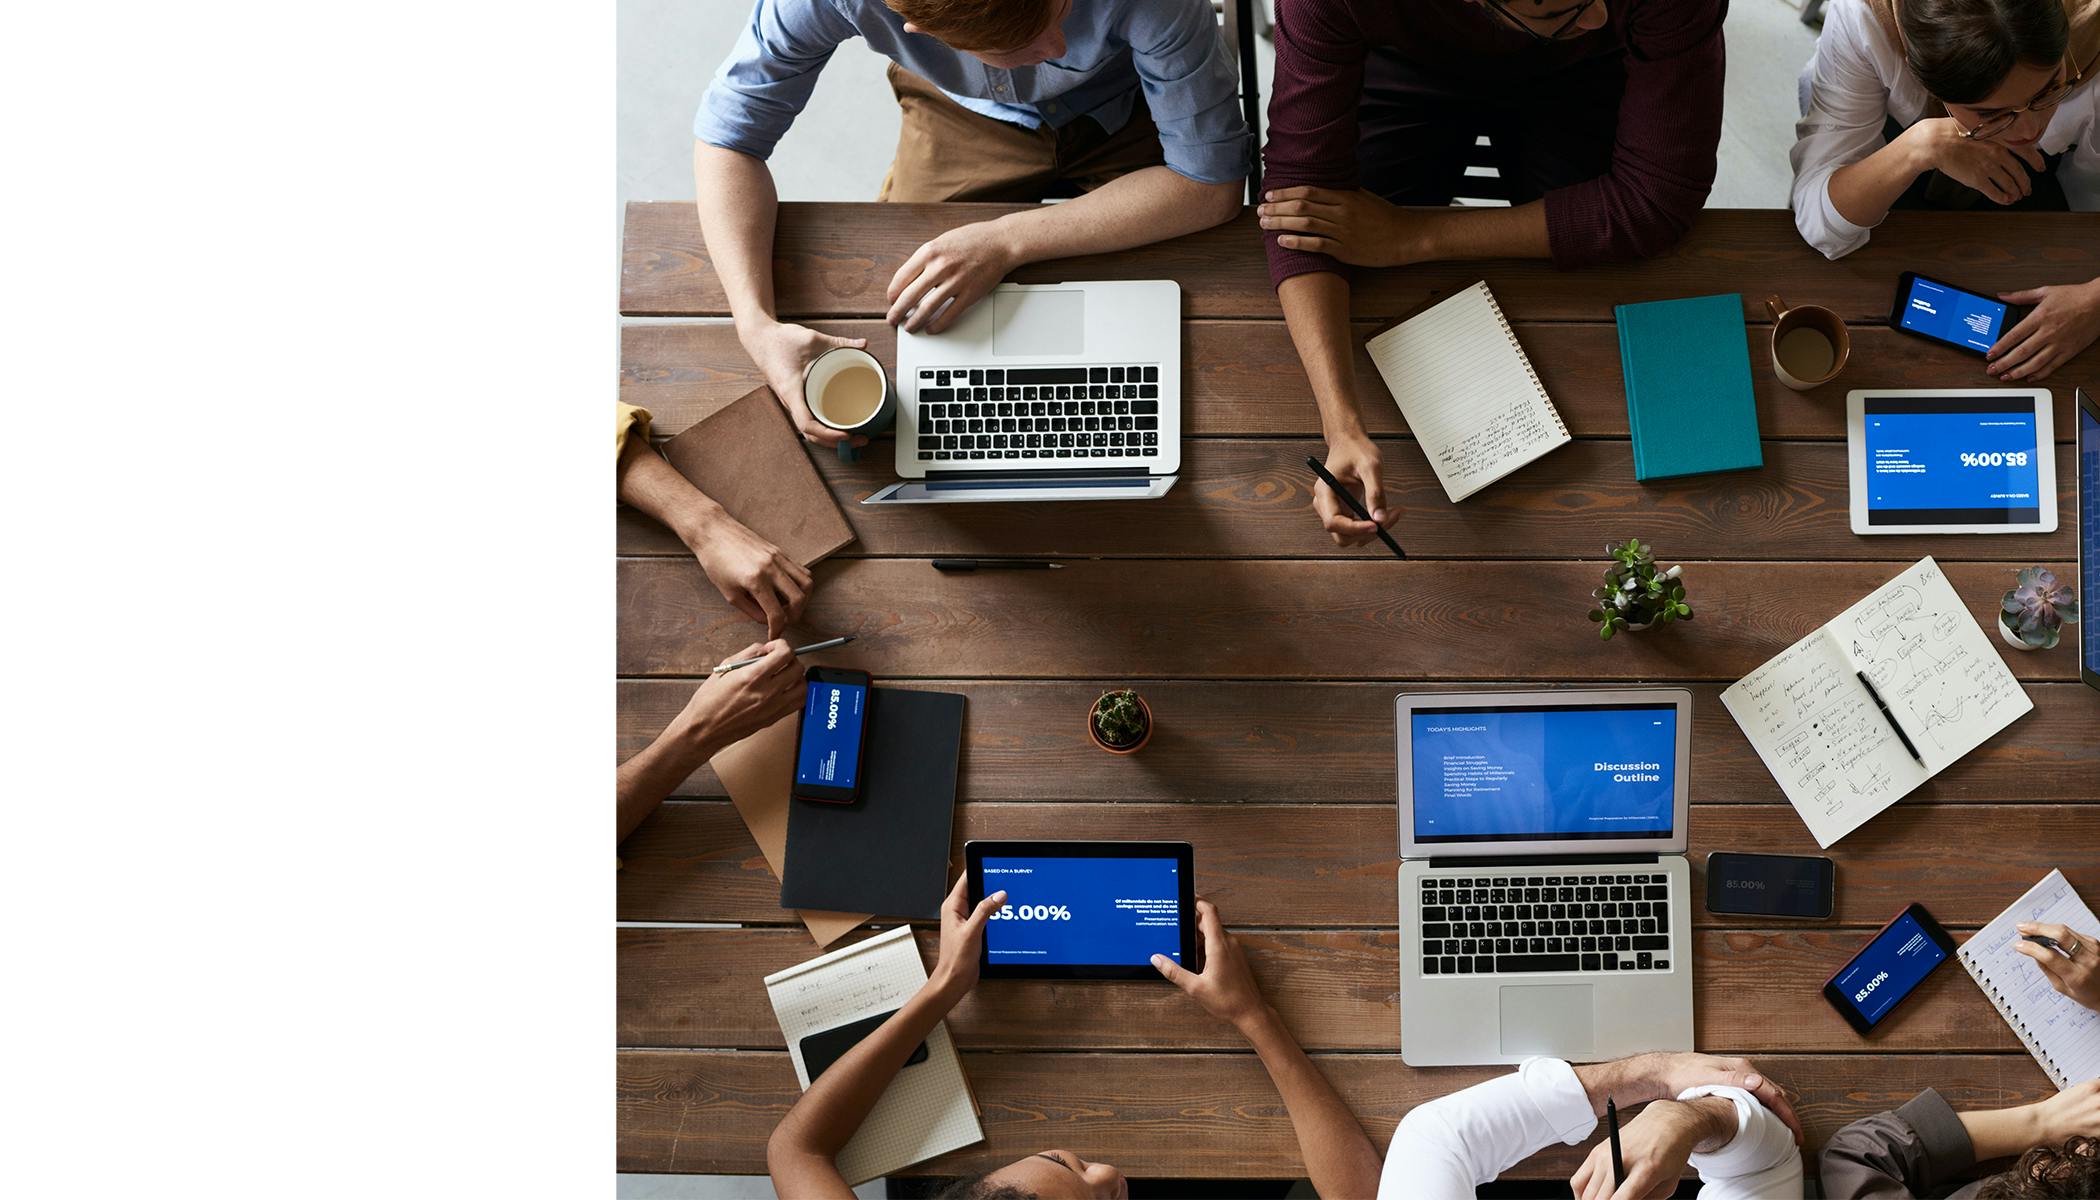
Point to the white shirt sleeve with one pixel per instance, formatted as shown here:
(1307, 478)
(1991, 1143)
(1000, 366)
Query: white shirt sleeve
(1448, 1147)
(1846, 104)
(1760, 1163)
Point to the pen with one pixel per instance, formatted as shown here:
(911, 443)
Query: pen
(995, 564)
(1890, 717)
(2043, 939)
(1355, 506)
(1618, 1164)
(799, 651)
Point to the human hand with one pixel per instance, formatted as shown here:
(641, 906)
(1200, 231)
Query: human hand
(782, 352)
(2076, 976)
(1654, 1146)
(1353, 460)
(1997, 169)
(752, 574)
(944, 277)
(1357, 227)
(1225, 987)
(2065, 320)
(736, 704)
(2073, 1112)
(1663, 1075)
(962, 937)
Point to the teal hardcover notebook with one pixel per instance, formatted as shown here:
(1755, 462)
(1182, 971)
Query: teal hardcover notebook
(1688, 396)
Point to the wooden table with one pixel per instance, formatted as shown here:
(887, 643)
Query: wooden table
(1270, 661)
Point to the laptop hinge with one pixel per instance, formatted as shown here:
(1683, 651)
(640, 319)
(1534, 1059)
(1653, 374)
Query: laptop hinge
(1547, 860)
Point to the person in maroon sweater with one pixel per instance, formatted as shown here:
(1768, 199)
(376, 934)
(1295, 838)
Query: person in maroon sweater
(1604, 117)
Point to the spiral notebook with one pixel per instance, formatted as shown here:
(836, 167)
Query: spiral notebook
(2063, 1035)
(1468, 391)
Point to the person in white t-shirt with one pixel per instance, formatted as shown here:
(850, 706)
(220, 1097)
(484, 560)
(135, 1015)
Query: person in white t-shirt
(1979, 104)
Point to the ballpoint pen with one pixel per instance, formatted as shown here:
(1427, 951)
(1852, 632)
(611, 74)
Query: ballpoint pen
(799, 651)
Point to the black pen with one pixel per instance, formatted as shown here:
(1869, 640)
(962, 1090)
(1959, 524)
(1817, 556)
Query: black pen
(995, 564)
(1891, 717)
(1618, 1163)
(1355, 506)
(2043, 939)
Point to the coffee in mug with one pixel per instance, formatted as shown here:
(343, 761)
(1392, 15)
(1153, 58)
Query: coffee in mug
(848, 390)
(851, 396)
(1809, 344)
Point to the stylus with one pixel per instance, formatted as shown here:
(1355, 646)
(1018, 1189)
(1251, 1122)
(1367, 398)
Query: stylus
(1890, 717)
(812, 648)
(1355, 505)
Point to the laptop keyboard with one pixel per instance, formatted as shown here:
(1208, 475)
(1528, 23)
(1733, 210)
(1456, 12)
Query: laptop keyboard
(967, 414)
(1499, 924)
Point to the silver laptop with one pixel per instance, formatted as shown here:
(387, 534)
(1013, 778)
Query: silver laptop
(1058, 391)
(1544, 894)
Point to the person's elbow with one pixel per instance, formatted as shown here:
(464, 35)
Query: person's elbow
(1217, 203)
(1658, 231)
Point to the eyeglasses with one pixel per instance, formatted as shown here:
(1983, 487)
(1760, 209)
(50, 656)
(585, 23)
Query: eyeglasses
(1573, 13)
(2043, 101)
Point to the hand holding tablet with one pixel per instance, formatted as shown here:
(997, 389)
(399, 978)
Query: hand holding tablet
(1084, 910)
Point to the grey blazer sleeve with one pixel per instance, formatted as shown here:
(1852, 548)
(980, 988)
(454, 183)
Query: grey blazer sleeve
(1908, 1152)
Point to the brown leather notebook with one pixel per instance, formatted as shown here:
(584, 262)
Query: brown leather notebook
(750, 459)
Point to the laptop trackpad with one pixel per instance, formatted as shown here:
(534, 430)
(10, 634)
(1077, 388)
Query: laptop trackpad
(1553, 1020)
(1032, 324)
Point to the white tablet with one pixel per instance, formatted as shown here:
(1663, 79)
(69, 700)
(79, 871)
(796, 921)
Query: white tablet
(1952, 460)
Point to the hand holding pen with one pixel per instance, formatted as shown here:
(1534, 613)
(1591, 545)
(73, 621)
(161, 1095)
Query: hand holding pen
(1369, 520)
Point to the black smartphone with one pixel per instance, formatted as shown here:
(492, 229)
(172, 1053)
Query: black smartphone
(1952, 316)
(1895, 961)
(1769, 885)
(825, 1047)
(834, 735)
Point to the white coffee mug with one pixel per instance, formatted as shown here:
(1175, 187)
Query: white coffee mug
(842, 396)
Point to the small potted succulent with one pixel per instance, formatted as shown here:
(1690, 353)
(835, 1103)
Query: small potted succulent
(2033, 614)
(1120, 722)
(1635, 595)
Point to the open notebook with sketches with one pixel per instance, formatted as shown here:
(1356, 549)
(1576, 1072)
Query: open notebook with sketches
(1835, 752)
(927, 1109)
(2062, 1034)
(1467, 390)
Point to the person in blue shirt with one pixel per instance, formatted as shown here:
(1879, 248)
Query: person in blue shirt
(1129, 105)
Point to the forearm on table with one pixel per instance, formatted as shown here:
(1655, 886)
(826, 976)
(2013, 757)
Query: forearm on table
(643, 781)
(737, 203)
(1862, 192)
(1146, 206)
(1316, 310)
(653, 486)
(1339, 1157)
(2003, 1132)
(1515, 232)
(831, 1111)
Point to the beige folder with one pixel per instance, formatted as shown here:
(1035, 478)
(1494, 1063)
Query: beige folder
(756, 772)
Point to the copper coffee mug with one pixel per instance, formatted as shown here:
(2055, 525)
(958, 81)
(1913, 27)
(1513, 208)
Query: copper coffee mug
(1809, 344)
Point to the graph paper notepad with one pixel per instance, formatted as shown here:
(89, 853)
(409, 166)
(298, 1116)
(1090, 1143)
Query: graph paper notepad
(927, 1108)
(2063, 1035)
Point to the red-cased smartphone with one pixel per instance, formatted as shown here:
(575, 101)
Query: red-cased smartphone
(831, 747)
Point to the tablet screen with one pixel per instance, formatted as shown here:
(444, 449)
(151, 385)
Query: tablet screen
(1064, 911)
(1952, 460)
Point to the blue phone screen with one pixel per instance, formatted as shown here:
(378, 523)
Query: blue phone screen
(1961, 318)
(1889, 968)
(831, 719)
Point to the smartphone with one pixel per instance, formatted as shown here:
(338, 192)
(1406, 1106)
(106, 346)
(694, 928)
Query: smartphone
(1769, 885)
(1952, 316)
(821, 1049)
(834, 735)
(1892, 965)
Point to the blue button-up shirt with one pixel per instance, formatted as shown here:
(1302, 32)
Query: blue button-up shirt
(1173, 49)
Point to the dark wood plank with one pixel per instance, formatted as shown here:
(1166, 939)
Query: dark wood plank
(1297, 866)
(1199, 1116)
(1338, 991)
(1229, 742)
(838, 259)
(1253, 498)
(1242, 378)
(1370, 619)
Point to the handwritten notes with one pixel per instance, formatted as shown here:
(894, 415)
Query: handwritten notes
(1835, 754)
(1467, 391)
(926, 1110)
(2063, 1035)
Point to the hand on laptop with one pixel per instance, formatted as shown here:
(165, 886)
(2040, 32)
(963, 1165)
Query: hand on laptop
(962, 938)
(782, 351)
(751, 573)
(1655, 1146)
(954, 270)
(1225, 987)
(1353, 460)
(2065, 320)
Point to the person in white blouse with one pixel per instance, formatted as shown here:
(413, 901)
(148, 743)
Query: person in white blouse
(1957, 104)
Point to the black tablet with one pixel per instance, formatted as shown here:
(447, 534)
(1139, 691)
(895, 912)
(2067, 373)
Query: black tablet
(1085, 910)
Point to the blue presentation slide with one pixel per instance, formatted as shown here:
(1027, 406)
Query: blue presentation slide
(1957, 460)
(1522, 774)
(1887, 970)
(1953, 316)
(1083, 911)
(831, 717)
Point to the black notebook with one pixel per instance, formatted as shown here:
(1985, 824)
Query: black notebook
(887, 852)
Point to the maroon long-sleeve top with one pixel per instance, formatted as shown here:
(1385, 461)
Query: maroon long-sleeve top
(1669, 119)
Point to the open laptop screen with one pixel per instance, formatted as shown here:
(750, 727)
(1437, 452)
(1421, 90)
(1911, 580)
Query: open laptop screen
(1528, 774)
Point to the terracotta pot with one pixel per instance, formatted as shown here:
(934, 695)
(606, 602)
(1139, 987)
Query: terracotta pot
(1095, 734)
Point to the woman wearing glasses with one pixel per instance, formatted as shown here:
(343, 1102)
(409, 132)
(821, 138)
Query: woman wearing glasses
(1957, 104)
